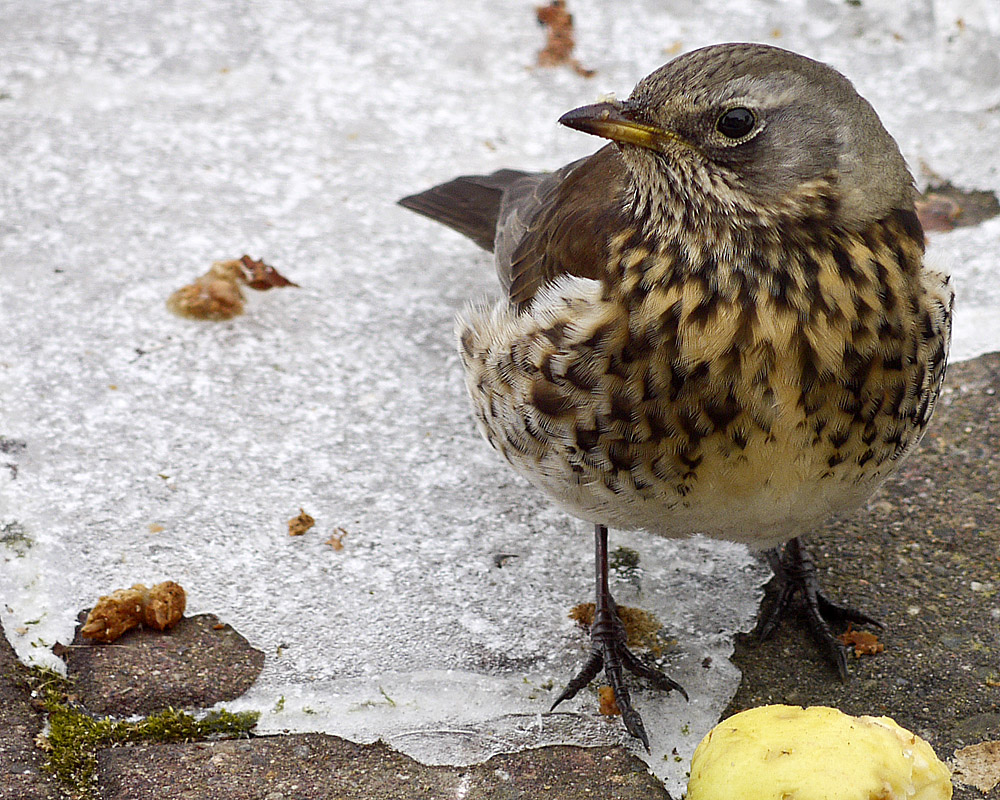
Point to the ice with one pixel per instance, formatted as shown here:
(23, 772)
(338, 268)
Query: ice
(141, 141)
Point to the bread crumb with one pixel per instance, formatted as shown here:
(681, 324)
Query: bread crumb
(608, 704)
(560, 41)
(863, 642)
(336, 540)
(300, 524)
(160, 607)
(217, 296)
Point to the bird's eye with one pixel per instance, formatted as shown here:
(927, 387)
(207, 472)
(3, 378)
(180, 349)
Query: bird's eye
(736, 123)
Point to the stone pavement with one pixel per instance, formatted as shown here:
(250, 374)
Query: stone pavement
(924, 558)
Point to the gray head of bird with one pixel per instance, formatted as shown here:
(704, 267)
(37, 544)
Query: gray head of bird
(758, 130)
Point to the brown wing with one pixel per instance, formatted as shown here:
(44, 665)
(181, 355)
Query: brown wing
(556, 224)
(539, 225)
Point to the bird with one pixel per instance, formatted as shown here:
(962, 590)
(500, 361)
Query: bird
(719, 323)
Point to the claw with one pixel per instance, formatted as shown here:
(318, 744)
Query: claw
(654, 676)
(586, 674)
(794, 573)
(608, 650)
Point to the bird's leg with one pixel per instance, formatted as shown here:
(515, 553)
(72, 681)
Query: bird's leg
(795, 572)
(608, 649)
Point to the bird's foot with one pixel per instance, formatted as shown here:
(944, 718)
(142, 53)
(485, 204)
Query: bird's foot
(608, 650)
(795, 573)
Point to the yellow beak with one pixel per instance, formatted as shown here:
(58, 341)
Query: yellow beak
(610, 121)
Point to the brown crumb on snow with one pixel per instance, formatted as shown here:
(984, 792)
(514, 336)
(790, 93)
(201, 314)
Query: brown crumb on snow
(336, 540)
(217, 296)
(300, 524)
(160, 607)
(559, 45)
(260, 276)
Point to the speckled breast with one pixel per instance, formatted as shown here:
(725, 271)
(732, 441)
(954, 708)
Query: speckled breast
(748, 400)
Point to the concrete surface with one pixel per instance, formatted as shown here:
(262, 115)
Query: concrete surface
(202, 662)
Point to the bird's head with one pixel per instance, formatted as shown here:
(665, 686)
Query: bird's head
(757, 129)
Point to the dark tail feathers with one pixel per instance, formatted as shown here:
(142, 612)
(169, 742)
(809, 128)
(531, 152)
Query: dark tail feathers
(469, 205)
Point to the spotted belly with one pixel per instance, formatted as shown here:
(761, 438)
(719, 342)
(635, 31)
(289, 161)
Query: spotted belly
(636, 417)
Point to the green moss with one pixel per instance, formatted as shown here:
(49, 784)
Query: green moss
(624, 559)
(46, 685)
(14, 537)
(75, 737)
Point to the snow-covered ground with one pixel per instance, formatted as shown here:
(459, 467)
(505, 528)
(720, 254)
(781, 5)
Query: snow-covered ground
(141, 141)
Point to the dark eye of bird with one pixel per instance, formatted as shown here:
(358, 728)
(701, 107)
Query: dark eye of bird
(736, 123)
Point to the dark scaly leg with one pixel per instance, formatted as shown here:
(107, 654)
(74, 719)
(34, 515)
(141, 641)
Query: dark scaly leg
(608, 650)
(795, 573)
